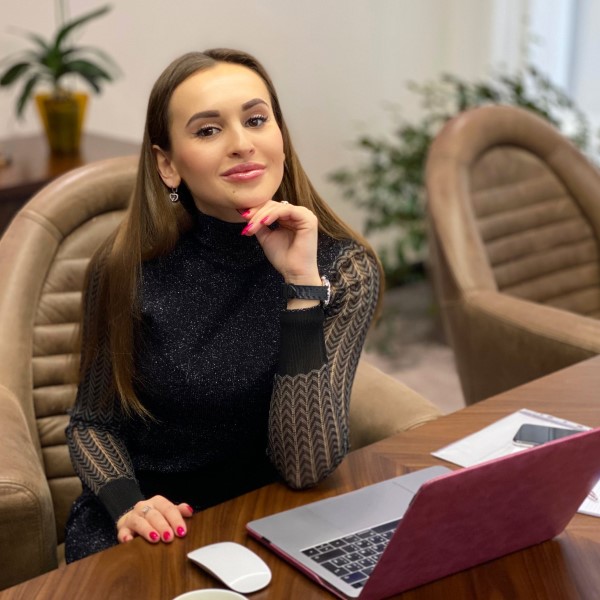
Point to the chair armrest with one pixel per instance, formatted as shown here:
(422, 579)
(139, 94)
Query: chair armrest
(27, 529)
(509, 341)
(381, 406)
(539, 323)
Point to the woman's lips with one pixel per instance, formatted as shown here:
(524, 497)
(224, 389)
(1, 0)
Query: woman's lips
(244, 172)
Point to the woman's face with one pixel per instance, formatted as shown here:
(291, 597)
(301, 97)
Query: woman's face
(225, 143)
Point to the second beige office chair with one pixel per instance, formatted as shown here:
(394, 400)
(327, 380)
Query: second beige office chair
(514, 213)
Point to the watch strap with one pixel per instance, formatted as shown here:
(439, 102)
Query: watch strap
(309, 292)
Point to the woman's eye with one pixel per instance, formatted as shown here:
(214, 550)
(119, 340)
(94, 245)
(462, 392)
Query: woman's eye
(207, 131)
(256, 120)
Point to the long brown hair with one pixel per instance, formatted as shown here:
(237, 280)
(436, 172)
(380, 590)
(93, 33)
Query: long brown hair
(153, 224)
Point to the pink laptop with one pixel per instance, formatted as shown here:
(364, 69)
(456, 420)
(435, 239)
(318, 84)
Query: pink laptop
(386, 538)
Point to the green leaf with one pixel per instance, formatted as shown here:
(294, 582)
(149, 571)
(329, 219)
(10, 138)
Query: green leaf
(86, 69)
(71, 25)
(93, 83)
(91, 73)
(26, 93)
(14, 73)
(54, 62)
(103, 56)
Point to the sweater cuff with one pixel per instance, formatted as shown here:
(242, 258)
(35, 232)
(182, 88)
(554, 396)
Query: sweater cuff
(119, 496)
(302, 341)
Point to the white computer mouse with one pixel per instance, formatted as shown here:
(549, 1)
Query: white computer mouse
(235, 565)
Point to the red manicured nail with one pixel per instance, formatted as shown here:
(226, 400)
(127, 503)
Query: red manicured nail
(154, 536)
(166, 536)
(180, 531)
(127, 538)
(190, 508)
(264, 220)
(244, 211)
(247, 228)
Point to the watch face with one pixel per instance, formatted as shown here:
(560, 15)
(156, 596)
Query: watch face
(327, 286)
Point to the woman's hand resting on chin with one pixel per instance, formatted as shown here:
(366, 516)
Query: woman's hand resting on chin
(292, 247)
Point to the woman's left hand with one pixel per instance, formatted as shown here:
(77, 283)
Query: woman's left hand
(292, 247)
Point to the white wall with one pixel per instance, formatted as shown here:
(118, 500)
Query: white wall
(552, 33)
(585, 72)
(335, 63)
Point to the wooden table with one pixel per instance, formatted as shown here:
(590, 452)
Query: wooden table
(567, 567)
(32, 166)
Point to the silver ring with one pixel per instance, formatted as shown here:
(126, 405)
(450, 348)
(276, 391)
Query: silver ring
(283, 202)
(146, 510)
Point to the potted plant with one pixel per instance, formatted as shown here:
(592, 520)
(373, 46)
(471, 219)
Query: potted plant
(389, 183)
(51, 63)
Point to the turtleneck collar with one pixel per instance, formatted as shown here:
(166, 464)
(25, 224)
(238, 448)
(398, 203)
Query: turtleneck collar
(224, 242)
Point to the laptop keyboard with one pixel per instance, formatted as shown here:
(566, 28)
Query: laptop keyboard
(353, 557)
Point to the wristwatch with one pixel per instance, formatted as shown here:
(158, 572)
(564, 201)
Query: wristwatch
(309, 292)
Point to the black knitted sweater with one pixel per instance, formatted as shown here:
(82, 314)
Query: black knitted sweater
(241, 390)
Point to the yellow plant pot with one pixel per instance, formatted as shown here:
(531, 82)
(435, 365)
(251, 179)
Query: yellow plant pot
(62, 117)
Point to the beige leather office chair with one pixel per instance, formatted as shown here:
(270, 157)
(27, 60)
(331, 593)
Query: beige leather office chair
(514, 213)
(43, 257)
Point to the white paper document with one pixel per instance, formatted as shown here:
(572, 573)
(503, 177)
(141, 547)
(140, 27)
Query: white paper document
(495, 440)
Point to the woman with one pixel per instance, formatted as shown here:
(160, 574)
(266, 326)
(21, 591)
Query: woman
(200, 378)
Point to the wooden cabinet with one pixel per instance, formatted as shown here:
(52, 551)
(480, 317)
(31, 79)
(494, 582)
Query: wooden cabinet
(32, 166)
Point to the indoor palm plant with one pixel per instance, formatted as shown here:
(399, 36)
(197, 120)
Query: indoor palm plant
(48, 65)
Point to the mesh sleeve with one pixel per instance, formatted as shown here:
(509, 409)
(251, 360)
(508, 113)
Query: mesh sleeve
(97, 453)
(308, 419)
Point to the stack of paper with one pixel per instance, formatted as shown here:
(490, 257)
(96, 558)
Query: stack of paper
(496, 440)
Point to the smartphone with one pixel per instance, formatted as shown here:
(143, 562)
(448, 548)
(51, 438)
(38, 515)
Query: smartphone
(534, 435)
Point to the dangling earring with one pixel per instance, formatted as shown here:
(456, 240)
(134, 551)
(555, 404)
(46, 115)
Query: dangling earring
(174, 196)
